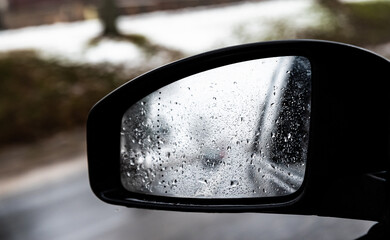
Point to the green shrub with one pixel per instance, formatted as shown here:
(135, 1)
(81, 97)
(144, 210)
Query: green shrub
(365, 23)
(370, 20)
(40, 97)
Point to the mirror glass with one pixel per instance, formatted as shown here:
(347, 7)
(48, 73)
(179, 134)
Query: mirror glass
(237, 131)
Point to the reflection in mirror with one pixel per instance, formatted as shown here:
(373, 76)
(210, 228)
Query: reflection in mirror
(237, 131)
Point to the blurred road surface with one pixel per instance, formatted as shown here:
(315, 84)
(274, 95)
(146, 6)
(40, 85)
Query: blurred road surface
(67, 209)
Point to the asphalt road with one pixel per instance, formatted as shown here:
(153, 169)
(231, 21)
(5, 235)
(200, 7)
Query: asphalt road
(67, 209)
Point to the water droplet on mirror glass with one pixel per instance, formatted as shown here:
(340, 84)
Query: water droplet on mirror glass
(234, 183)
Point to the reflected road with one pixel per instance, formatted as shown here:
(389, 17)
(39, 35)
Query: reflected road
(68, 210)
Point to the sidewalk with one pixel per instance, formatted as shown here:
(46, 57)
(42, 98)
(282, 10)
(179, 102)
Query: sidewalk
(27, 166)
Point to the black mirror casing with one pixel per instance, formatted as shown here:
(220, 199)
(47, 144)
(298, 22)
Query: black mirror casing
(348, 157)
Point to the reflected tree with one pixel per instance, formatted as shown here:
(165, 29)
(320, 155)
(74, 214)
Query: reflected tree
(143, 129)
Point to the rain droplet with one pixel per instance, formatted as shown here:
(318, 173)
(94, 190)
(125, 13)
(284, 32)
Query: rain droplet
(203, 181)
(234, 183)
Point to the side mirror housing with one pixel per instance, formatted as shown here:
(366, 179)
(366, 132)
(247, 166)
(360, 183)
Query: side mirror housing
(326, 104)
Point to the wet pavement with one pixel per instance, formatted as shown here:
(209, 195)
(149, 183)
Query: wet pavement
(52, 200)
(67, 209)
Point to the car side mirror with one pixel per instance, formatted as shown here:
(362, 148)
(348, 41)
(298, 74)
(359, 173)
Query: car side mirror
(297, 126)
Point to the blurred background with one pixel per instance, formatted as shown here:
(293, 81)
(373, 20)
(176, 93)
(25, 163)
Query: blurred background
(59, 57)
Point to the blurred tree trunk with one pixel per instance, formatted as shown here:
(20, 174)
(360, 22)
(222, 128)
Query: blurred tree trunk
(108, 14)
